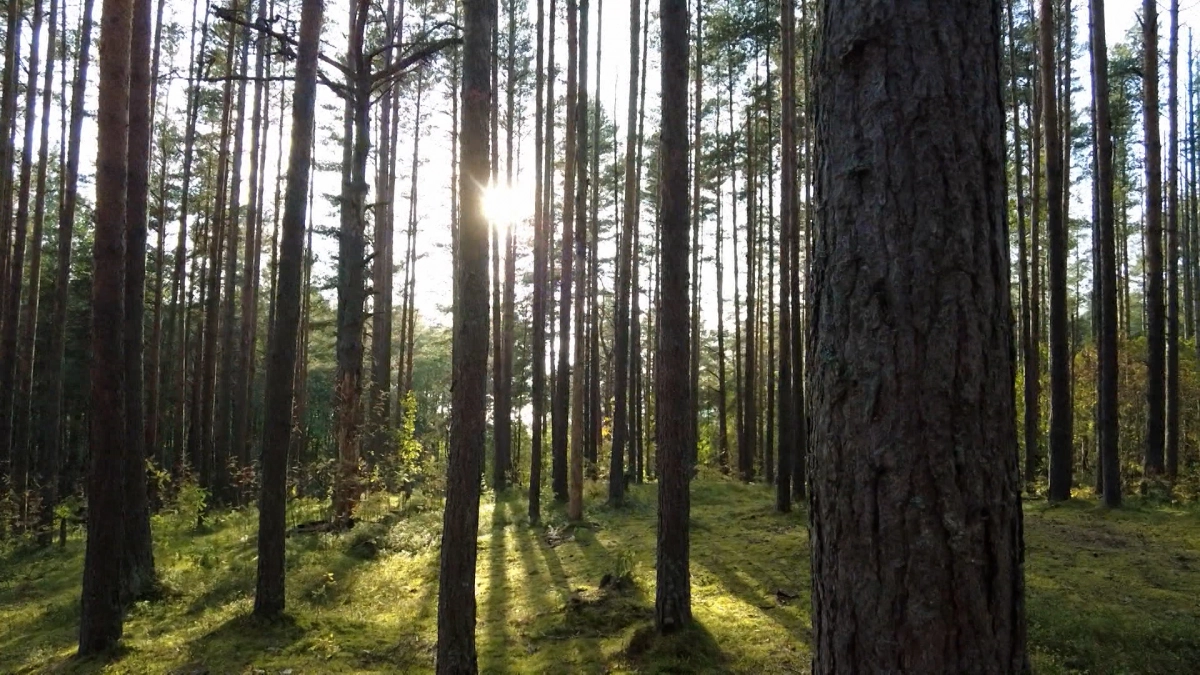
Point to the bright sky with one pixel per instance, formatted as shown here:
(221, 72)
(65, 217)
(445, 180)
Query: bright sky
(433, 270)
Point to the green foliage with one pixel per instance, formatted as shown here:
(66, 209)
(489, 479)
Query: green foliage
(190, 501)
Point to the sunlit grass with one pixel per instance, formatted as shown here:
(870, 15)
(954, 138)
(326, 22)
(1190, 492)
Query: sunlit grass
(1108, 592)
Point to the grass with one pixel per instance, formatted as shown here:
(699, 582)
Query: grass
(1107, 592)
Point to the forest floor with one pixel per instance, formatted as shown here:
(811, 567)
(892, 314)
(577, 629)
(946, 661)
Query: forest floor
(1107, 592)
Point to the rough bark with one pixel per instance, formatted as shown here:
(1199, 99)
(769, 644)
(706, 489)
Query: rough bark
(456, 598)
(1155, 321)
(137, 566)
(673, 593)
(915, 514)
(100, 624)
(283, 337)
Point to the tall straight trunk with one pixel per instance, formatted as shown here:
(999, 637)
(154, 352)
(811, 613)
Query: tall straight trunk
(177, 333)
(456, 601)
(137, 566)
(799, 410)
(244, 375)
(212, 466)
(788, 206)
(1109, 319)
(722, 389)
(640, 388)
(28, 320)
(11, 299)
(673, 595)
(154, 449)
(50, 374)
(508, 319)
(578, 413)
(8, 114)
(748, 441)
(1155, 321)
(592, 396)
(1060, 354)
(283, 336)
(540, 264)
(621, 319)
(885, 597)
(223, 421)
(100, 625)
(697, 154)
(1028, 358)
(1033, 414)
(562, 392)
(379, 395)
(352, 273)
(737, 293)
(1173, 325)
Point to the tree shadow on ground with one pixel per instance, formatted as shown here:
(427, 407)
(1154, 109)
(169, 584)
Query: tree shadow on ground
(240, 642)
(691, 650)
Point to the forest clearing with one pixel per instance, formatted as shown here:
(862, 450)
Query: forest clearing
(1107, 592)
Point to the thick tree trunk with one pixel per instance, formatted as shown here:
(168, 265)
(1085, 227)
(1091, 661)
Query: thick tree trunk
(930, 302)
(456, 599)
(100, 624)
(282, 340)
(673, 594)
(137, 566)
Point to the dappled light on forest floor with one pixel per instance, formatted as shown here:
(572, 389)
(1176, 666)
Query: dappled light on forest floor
(1108, 591)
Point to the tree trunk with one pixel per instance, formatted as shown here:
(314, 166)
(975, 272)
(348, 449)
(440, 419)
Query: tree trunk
(621, 342)
(673, 594)
(1107, 352)
(787, 225)
(28, 320)
(137, 566)
(11, 300)
(578, 412)
(1056, 226)
(283, 337)
(748, 445)
(456, 600)
(540, 262)
(562, 391)
(916, 552)
(50, 374)
(351, 276)
(100, 624)
(1173, 325)
(1155, 321)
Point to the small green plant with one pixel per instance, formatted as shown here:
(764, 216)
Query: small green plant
(190, 502)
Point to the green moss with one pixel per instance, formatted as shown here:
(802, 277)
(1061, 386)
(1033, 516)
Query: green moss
(1108, 592)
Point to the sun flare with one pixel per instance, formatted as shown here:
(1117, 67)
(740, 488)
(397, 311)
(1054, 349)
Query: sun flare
(507, 204)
